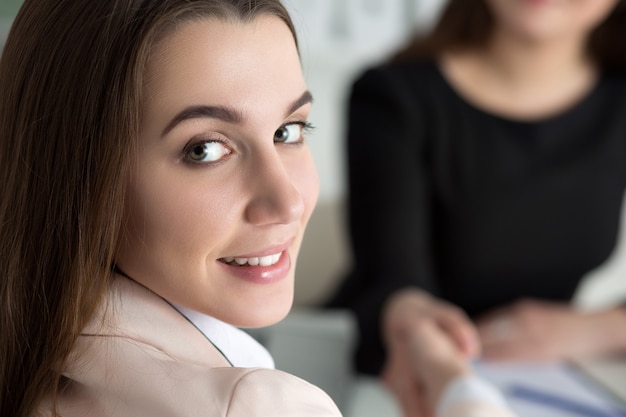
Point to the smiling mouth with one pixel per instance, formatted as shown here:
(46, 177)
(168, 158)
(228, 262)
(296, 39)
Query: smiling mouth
(257, 261)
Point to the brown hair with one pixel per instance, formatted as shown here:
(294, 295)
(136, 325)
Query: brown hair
(466, 24)
(70, 95)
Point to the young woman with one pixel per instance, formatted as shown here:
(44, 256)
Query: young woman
(487, 168)
(155, 183)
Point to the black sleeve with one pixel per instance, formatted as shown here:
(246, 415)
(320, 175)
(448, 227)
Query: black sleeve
(389, 207)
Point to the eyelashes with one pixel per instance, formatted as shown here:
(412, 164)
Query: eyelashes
(292, 132)
(205, 150)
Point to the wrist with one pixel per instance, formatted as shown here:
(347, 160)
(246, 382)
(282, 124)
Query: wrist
(442, 380)
(617, 317)
(602, 322)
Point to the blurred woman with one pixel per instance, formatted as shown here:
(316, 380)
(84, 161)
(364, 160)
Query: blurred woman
(487, 167)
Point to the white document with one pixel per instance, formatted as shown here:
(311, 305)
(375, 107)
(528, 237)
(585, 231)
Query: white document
(550, 390)
(610, 373)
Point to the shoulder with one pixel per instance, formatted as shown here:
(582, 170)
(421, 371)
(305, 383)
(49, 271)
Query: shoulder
(188, 390)
(398, 75)
(408, 89)
(262, 392)
(614, 87)
(603, 108)
(147, 360)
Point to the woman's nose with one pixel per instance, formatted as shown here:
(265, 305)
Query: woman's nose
(275, 197)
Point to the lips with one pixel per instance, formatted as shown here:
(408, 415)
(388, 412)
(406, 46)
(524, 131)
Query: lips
(267, 260)
(270, 269)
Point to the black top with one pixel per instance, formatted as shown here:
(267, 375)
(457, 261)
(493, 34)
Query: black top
(473, 207)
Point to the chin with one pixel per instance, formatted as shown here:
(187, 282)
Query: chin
(267, 313)
(267, 320)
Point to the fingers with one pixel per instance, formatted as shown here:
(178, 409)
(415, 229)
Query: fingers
(402, 382)
(411, 303)
(504, 336)
(428, 341)
(496, 330)
(456, 323)
(435, 359)
(430, 348)
(528, 330)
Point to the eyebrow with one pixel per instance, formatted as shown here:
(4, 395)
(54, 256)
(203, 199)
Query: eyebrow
(226, 114)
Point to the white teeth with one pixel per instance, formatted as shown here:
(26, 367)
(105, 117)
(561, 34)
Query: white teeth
(265, 260)
(262, 261)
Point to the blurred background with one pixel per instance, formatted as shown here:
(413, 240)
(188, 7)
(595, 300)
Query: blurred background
(8, 9)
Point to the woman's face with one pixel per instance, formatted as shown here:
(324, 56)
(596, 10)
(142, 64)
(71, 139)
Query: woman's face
(224, 183)
(541, 20)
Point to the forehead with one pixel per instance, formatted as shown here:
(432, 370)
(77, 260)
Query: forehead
(224, 61)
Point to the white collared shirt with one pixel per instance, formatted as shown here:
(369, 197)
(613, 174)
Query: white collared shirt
(241, 349)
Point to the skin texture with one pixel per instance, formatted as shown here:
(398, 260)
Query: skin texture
(222, 185)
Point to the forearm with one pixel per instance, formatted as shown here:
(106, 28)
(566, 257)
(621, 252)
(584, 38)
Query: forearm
(608, 329)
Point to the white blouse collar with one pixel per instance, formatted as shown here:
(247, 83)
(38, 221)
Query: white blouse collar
(239, 348)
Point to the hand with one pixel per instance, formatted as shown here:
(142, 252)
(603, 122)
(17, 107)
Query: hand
(406, 305)
(420, 367)
(537, 330)
(403, 383)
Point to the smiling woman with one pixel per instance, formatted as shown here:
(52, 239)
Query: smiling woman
(155, 186)
(230, 175)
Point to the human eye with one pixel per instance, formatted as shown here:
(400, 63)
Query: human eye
(206, 152)
(292, 132)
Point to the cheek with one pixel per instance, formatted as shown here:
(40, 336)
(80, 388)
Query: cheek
(177, 214)
(190, 215)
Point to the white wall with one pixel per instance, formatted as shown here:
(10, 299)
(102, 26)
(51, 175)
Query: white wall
(5, 24)
(339, 38)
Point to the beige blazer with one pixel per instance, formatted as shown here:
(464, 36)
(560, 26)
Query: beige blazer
(141, 357)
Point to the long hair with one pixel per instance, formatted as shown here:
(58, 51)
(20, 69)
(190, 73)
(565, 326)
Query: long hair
(70, 101)
(466, 24)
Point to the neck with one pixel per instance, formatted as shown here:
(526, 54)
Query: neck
(533, 65)
(520, 78)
